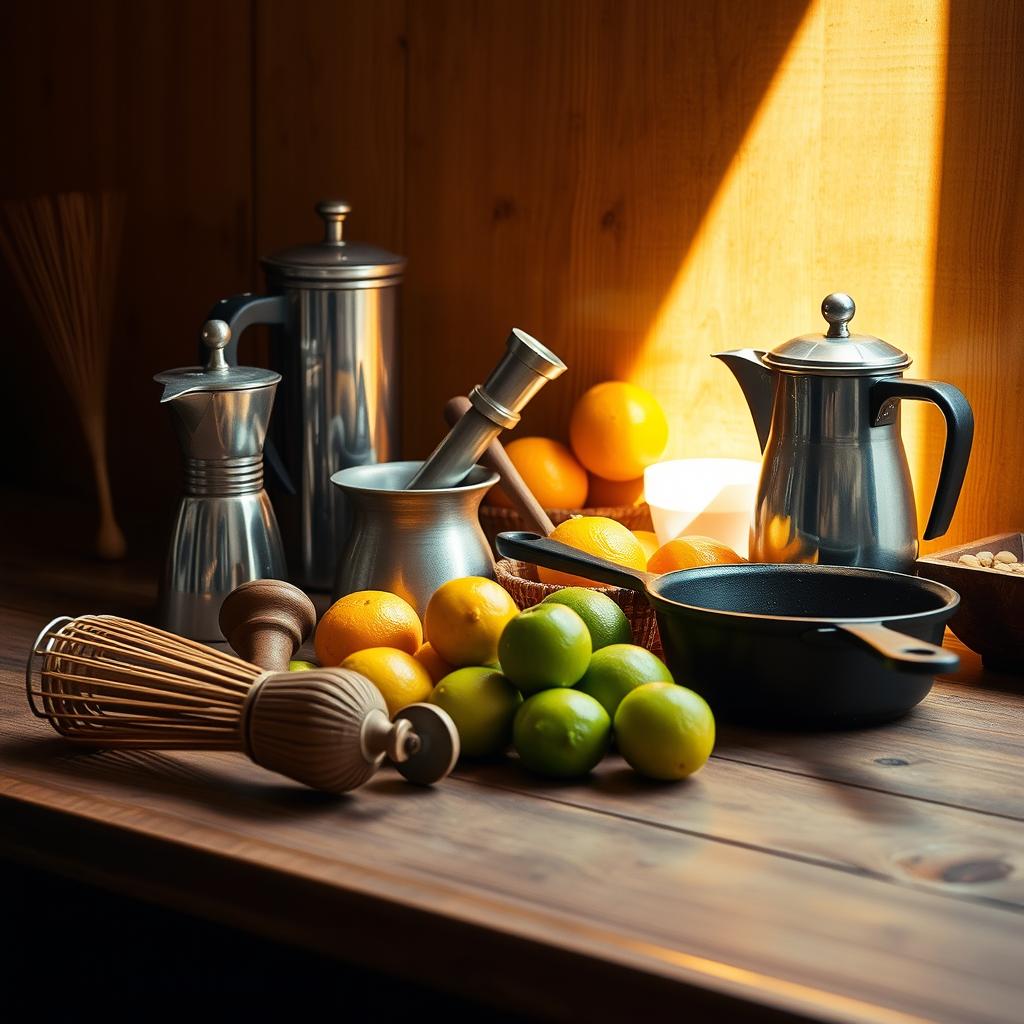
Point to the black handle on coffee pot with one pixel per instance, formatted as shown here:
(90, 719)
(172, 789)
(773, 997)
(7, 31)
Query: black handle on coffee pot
(242, 311)
(885, 396)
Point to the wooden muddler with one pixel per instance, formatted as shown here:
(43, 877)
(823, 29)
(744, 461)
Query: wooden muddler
(512, 483)
(266, 622)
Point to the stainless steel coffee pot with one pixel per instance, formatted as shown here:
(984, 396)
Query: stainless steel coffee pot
(835, 486)
(334, 339)
(225, 532)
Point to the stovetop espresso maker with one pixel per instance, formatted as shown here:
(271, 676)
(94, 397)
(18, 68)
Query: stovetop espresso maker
(334, 339)
(835, 486)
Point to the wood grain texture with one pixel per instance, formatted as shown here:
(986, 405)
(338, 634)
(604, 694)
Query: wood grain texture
(812, 873)
(330, 88)
(153, 99)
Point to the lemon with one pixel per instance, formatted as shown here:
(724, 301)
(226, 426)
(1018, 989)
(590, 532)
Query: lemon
(545, 646)
(464, 620)
(561, 733)
(482, 703)
(616, 670)
(300, 666)
(401, 679)
(664, 731)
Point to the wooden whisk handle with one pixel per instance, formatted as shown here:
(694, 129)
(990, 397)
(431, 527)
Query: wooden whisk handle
(266, 622)
(512, 483)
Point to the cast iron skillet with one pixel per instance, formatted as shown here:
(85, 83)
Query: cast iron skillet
(793, 645)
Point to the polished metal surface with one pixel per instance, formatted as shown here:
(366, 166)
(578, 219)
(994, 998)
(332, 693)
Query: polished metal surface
(335, 342)
(835, 486)
(334, 260)
(217, 374)
(834, 489)
(524, 369)
(224, 532)
(410, 542)
(837, 351)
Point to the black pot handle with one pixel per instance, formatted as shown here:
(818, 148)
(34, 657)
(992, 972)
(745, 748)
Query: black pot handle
(906, 653)
(240, 312)
(552, 554)
(959, 437)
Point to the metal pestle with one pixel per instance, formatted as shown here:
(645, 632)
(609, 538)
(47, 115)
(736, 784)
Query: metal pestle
(525, 368)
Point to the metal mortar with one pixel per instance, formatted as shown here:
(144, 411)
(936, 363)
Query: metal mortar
(409, 542)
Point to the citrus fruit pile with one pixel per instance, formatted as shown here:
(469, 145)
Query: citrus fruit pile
(616, 431)
(583, 681)
(555, 681)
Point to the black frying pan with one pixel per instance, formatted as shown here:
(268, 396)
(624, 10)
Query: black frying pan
(784, 644)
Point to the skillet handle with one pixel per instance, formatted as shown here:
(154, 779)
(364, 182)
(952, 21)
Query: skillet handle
(906, 653)
(553, 554)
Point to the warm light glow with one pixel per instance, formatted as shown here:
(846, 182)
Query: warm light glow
(835, 187)
(709, 497)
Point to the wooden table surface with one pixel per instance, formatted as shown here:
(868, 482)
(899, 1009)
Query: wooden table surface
(875, 875)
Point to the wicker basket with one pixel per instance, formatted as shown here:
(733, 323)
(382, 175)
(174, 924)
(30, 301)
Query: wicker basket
(495, 519)
(520, 580)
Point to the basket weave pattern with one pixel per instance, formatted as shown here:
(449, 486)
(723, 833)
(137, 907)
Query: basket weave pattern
(520, 580)
(494, 519)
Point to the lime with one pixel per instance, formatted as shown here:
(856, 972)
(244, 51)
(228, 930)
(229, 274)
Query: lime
(605, 620)
(300, 666)
(614, 671)
(482, 703)
(545, 646)
(561, 733)
(664, 731)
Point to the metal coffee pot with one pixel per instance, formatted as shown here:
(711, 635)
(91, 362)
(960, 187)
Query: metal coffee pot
(835, 486)
(225, 532)
(334, 316)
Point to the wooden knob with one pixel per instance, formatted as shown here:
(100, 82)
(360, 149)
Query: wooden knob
(496, 458)
(266, 622)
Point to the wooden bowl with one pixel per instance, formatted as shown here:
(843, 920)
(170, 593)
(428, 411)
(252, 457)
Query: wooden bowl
(520, 580)
(495, 519)
(990, 619)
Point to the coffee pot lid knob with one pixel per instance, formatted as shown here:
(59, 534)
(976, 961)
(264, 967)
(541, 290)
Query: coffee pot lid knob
(334, 212)
(215, 336)
(838, 309)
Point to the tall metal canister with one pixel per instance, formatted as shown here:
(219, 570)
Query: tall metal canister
(334, 311)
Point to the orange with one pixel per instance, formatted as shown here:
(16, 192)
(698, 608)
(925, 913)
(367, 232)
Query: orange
(368, 618)
(617, 430)
(550, 471)
(691, 552)
(433, 662)
(401, 679)
(614, 493)
(465, 618)
(648, 541)
(598, 536)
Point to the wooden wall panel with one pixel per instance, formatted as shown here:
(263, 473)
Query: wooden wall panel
(978, 320)
(561, 157)
(638, 182)
(152, 98)
(330, 101)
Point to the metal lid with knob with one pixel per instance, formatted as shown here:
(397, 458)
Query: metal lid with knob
(335, 259)
(217, 375)
(837, 352)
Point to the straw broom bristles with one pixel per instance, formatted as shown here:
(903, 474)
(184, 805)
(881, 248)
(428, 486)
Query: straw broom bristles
(63, 252)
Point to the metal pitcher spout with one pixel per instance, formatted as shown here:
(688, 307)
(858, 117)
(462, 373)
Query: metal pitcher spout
(757, 382)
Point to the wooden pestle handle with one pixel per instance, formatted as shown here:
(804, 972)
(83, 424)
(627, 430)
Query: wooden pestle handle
(512, 482)
(266, 622)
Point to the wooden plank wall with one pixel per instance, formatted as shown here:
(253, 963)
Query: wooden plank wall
(638, 182)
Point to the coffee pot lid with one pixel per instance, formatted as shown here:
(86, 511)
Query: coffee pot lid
(335, 258)
(217, 375)
(837, 351)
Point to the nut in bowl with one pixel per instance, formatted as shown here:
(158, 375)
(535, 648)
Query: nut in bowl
(989, 576)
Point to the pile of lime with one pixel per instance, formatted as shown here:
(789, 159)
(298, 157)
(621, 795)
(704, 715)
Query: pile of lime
(569, 679)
